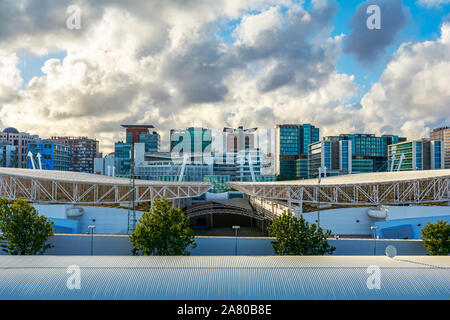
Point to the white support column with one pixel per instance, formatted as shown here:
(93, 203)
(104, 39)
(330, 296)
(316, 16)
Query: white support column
(289, 199)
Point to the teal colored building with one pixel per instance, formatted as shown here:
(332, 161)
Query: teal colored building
(292, 141)
(219, 183)
(192, 140)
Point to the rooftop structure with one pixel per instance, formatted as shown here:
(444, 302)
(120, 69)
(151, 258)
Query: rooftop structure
(225, 278)
(83, 188)
(368, 188)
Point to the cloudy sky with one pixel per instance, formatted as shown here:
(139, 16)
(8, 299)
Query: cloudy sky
(221, 63)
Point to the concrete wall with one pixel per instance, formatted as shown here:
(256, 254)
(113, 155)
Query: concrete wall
(120, 245)
(107, 220)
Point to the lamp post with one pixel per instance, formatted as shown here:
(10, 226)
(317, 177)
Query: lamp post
(374, 228)
(236, 228)
(91, 228)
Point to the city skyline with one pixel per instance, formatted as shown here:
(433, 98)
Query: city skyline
(224, 63)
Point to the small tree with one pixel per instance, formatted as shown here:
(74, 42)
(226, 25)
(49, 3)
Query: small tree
(24, 232)
(436, 238)
(296, 237)
(163, 231)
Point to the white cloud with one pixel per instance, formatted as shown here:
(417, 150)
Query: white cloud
(163, 65)
(159, 63)
(432, 3)
(413, 94)
(10, 80)
(252, 25)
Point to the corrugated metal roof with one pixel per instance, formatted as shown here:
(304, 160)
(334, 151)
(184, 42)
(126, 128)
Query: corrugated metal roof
(358, 179)
(224, 278)
(78, 177)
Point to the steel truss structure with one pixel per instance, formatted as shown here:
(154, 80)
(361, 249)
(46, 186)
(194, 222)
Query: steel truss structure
(218, 208)
(366, 189)
(69, 187)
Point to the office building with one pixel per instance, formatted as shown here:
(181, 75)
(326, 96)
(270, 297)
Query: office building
(142, 134)
(190, 140)
(105, 165)
(413, 155)
(239, 139)
(19, 140)
(123, 158)
(333, 156)
(8, 155)
(292, 141)
(443, 134)
(369, 152)
(48, 155)
(82, 152)
(135, 134)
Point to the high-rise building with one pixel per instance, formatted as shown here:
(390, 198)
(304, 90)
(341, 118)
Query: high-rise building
(48, 155)
(333, 156)
(8, 155)
(443, 134)
(369, 152)
(135, 134)
(413, 155)
(123, 158)
(195, 142)
(190, 140)
(19, 140)
(292, 141)
(142, 134)
(238, 139)
(82, 152)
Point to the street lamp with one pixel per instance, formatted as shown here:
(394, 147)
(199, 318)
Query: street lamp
(374, 228)
(91, 228)
(236, 228)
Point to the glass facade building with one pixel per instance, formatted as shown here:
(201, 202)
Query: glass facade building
(292, 143)
(190, 140)
(82, 152)
(8, 155)
(53, 156)
(443, 135)
(369, 152)
(417, 155)
(122, 157)
(332, 155)
(134, 134)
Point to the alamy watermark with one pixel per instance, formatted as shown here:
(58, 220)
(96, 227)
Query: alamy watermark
(74, 279)
(374, 280)
(374, 20)
(73, 22)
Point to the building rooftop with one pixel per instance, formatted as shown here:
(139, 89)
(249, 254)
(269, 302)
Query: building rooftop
(359, 179)
(225, 278)
(137, 126)
(11, 130)
(88, 178)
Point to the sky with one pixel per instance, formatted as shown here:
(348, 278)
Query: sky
(223, 63)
